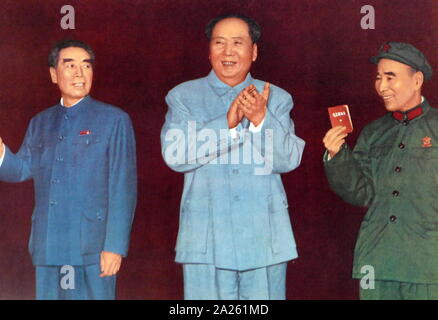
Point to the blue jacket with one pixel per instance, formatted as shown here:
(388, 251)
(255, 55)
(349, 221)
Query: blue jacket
(234, 210)
(83, 163)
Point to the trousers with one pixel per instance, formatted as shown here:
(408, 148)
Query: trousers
(206, 282)
(73, 283)
(394, 290)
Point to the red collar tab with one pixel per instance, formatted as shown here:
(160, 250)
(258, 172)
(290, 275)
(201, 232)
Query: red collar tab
(408, 115)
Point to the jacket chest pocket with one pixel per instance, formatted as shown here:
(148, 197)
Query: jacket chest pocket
(424, 153)
(423, 163)
(42, 151)
(86, 150)
(380, 153)
(380, 159)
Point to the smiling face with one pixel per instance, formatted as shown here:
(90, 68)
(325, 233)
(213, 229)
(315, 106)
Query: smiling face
(232, 51)
(398, 85)
(73, 74)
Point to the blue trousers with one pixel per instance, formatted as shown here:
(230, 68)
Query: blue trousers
(73, 283)
(206, 282)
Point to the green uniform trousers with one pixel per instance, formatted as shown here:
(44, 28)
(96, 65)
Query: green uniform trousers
(394, 290)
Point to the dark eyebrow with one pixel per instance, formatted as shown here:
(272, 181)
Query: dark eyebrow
(70, 59)
(390, 73)
(234, 38)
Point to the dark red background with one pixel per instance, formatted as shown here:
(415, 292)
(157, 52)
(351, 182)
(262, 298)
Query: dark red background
(314, 49)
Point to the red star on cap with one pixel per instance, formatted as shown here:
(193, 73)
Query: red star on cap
(386, 47)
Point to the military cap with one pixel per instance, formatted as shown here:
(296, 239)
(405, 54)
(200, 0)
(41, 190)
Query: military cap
(406, 54)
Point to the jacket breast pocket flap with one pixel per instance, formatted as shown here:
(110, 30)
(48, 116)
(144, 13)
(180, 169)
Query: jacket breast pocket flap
(85, 140)
(379, 152)
(43, 142)
(87, 150)
(42, 150)
(424, 153)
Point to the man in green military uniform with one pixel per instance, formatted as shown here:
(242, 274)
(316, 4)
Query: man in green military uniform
(393, 170)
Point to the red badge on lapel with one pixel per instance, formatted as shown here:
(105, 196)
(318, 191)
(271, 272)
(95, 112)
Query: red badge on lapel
(427, 142)
(84, 133)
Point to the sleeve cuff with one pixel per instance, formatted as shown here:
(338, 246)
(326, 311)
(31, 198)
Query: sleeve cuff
(234, 132)
(326, 156)
(3, 156)
(255, 129)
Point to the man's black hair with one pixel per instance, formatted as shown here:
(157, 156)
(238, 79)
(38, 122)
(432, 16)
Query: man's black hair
(255, 31)
(54, 53)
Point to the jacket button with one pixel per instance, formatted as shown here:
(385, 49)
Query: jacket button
(395, 193)
(401, 146)
(392, 218)
(397, 169)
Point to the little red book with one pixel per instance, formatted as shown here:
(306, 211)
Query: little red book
(340, 116)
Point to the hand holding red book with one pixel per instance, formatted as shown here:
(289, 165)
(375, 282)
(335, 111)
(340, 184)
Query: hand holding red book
(340, 116)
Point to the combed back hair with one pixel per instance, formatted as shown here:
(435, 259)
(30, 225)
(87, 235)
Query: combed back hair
(255, 31)
(54, 53)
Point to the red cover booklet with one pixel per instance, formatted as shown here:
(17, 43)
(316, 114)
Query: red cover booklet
(340, 116)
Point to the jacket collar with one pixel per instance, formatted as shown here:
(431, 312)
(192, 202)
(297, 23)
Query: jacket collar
(413, 113)
(222, 88)
(75, 109)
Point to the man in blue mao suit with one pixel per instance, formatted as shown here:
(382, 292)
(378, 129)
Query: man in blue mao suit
(232, 137)
(81, 156)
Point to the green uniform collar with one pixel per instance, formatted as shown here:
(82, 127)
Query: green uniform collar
(413, 113)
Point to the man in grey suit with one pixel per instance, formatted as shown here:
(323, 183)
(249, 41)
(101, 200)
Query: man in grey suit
(235, 235)
(80, 154)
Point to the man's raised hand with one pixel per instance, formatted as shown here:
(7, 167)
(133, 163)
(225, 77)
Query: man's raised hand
(253, 104)
(334, 139)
